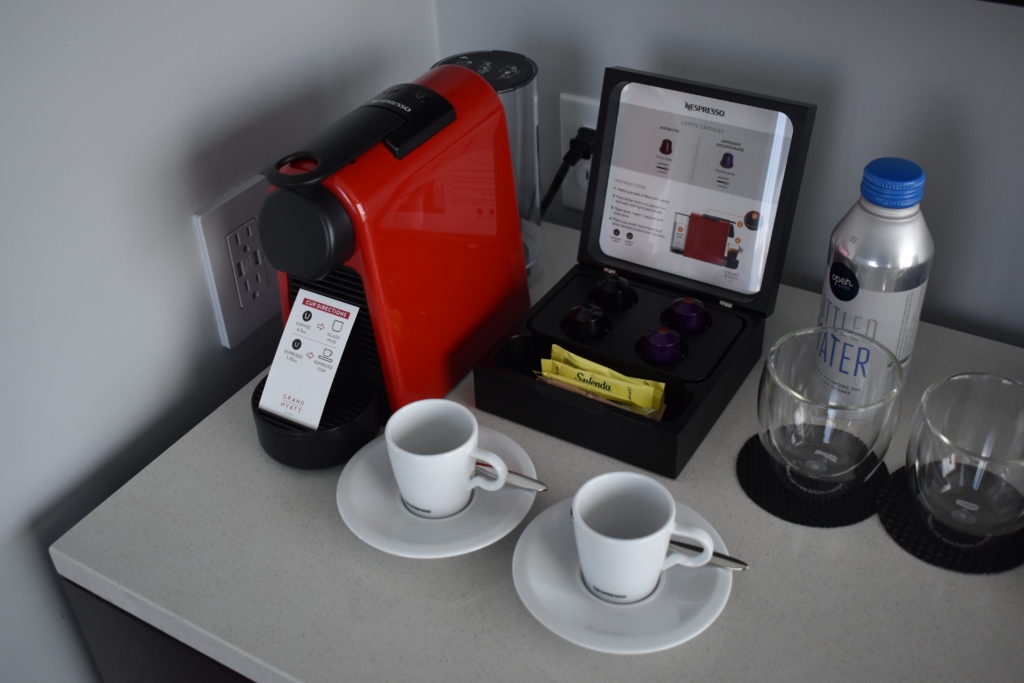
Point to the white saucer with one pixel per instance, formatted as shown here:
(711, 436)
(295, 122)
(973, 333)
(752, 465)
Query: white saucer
(371, 506)
(547, 577)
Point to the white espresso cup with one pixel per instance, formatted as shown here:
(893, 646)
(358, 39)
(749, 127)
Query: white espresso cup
(432, 445)
(623, 522)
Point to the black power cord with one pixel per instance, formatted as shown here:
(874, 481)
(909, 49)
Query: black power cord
(580, 147)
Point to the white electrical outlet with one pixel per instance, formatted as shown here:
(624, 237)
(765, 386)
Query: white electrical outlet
(242, 284)
(576, 112)
(250, 268)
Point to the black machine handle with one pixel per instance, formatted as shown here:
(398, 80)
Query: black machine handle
(304, 230)
(402, 117)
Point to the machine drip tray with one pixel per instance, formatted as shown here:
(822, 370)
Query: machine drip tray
(351, 419)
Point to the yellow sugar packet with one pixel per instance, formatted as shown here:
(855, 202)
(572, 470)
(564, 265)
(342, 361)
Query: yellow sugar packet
(613, 388)
(652, 413)
(569, 358)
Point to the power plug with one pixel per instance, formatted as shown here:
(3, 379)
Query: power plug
(576, 112)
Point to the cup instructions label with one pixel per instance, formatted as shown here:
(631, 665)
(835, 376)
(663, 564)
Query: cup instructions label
(307, 358)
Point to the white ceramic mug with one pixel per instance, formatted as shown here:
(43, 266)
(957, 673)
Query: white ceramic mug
(623, 522)
(432, 445)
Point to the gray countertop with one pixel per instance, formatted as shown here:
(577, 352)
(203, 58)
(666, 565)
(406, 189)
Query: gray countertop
(248, 561)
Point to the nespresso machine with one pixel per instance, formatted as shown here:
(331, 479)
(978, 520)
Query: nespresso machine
(405, 207)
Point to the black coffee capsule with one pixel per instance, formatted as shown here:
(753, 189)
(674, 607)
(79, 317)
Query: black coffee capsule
(587, 321)
(752, 219)
(613, 293)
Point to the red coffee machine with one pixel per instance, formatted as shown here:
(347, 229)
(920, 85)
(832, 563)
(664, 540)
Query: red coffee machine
(405, 207)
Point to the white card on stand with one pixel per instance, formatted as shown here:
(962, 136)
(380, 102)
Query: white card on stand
(307, 358)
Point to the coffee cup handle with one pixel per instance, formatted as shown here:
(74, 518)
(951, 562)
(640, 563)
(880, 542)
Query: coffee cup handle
(697, 535)
(500, 471)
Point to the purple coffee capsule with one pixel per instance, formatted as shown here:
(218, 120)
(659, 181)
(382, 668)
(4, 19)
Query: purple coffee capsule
(686, 315)
(661, 346)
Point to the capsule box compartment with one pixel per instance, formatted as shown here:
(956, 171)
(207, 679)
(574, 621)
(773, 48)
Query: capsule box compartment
(697, 388)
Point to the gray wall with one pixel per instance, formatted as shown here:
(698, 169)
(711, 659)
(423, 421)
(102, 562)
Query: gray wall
(117, 121)
(938, 81)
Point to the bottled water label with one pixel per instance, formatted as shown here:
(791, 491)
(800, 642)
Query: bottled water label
(889, 318)
(843, 366)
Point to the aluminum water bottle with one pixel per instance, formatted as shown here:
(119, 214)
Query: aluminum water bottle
(879, 257)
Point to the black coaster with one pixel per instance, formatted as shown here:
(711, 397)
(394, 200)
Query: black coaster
(805, 501)
(926, 539)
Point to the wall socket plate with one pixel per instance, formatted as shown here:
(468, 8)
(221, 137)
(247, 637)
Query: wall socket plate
(576, 111)
(243, 287)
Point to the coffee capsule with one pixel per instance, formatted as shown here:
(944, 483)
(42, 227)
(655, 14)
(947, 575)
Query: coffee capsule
(587, 321)
(686, 315)
(613, 293)
(661, 346)
(752, 219)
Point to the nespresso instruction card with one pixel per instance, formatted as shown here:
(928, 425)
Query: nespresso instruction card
(694, 185)
(307, 358)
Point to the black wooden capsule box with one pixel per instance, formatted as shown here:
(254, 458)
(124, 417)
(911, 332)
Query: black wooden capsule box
(715, 359)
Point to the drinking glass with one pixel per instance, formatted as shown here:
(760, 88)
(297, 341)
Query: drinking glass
(827, 404)
(965, 456)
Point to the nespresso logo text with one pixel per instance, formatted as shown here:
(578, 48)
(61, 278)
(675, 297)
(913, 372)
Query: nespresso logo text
(706, 110)
(403, 107)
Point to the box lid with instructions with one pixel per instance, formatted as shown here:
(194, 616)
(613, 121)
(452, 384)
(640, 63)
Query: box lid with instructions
(695, 186)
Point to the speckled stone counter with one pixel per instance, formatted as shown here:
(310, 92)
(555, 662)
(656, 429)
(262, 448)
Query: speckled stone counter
(248, 562)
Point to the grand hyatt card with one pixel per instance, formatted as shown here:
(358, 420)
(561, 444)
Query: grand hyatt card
(307, 358)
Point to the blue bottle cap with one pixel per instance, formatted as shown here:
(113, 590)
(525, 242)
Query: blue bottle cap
(892, 183)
